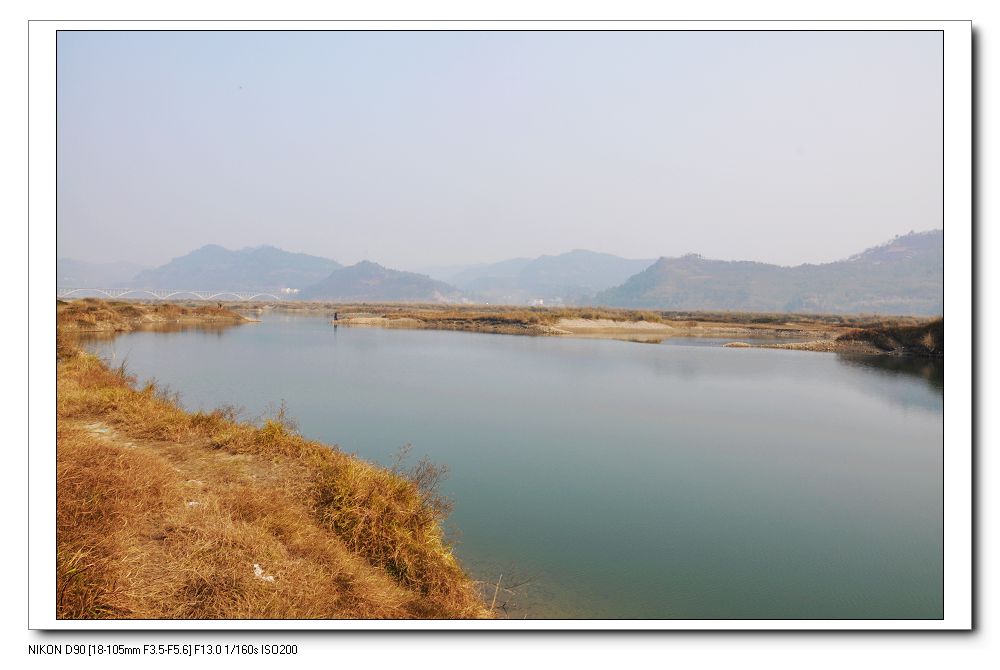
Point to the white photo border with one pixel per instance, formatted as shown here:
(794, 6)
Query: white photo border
(958, 225)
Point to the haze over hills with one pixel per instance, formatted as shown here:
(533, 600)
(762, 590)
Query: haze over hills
(71, 272)
(215, 268)
(446, 273)
(564, 278)
(903, 276)
(370, 282)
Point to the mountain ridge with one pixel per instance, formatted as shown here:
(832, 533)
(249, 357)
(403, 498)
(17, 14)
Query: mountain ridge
(902, 276)
(367, 281)
(212, 267)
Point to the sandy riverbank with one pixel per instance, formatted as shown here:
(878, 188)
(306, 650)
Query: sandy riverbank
(797, 332)
(602, 328)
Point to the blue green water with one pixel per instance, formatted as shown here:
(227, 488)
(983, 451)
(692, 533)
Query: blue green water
(610, 479)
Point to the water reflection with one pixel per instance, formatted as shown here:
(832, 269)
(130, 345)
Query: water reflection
(208, 328)
(930, 370)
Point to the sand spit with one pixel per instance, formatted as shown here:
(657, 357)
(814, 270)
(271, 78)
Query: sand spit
(866, 334)
(378, 322)
(639, 331)
(485, 325)
(574, 326)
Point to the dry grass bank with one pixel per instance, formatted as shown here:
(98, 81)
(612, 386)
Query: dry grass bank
(922, 340)
(926, 338)
(93, 315)
(167, 514)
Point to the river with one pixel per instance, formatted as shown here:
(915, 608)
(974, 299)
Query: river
(607, 479)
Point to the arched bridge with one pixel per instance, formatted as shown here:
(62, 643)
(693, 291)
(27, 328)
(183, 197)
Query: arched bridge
(163, 293)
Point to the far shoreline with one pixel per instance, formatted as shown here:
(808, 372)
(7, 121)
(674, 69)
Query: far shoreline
(829, 333)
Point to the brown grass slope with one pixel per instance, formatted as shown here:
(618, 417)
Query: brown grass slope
(922, 340)
(93, 315)
(167, 514)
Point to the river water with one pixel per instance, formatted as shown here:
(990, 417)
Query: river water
(608, 479)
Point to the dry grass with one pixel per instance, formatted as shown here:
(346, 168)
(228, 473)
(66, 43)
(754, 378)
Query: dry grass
(165, 514)
(926, 339)
(91, 314)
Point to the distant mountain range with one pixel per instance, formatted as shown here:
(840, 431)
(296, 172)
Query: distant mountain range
(215, 268)
(370, 282)
(903, 276)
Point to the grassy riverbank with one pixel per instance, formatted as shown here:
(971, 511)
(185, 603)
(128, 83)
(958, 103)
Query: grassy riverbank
(166, 514)
(889, 338)
(93, 315)
(922, 340)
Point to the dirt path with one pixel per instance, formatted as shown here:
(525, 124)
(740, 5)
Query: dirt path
(197, 464)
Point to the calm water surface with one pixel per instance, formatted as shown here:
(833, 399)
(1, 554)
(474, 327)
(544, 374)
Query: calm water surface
(612, 479)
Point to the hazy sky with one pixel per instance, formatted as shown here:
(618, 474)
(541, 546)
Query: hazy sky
(431, 148)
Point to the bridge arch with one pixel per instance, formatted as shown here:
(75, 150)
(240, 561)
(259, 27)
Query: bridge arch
(165, 294)
(106, 292)
(65, 293)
